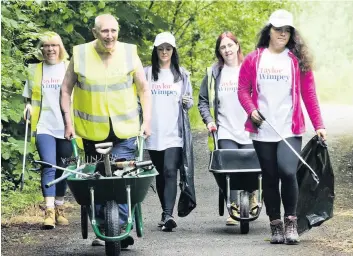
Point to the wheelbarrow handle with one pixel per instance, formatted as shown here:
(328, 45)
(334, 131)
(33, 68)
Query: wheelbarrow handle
(74, 147)
(215, 137)
(141, 143)
(62, 177)
(135, 164)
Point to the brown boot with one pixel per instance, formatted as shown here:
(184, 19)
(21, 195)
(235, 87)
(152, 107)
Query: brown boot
(290, 230)
(49, 219)
(277, 232)
(60, 216)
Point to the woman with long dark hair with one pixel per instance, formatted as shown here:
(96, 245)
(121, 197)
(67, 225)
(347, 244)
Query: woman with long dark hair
(219, 106)
(171, 91)
(271, 81)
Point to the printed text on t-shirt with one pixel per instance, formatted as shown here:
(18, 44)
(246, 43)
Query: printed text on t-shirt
(51, 83)
(228, 86)
(163, 89)
(273, 74)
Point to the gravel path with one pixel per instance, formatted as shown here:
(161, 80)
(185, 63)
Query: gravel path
(202, 233)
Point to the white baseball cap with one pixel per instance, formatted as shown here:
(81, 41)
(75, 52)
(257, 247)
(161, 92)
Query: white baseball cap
(165, 37)
(281, 18)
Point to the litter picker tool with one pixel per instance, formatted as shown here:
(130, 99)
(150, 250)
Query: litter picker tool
(28, 116)
(313, 174)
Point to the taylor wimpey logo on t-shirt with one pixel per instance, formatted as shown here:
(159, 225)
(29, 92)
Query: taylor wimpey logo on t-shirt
(228, 86)
(163, 89)
(273, 74)
(52, 83)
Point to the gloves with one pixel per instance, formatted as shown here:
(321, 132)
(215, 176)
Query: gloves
(186, 99)
(29, 108)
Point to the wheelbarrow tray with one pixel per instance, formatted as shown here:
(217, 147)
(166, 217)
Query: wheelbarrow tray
(242, 166)
(111, 188)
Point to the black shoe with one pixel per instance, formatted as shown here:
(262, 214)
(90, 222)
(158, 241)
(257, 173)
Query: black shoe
(161, 222)
(126, 242)
(169, 224)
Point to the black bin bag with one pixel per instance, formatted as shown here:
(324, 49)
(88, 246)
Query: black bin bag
(315, 203)
(187, 199)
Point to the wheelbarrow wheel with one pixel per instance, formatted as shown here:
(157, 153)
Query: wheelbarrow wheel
(112, 228)
(244, 212)
(220, 203)
(84, 221)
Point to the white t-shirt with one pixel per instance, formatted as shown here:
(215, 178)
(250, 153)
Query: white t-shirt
(274, 80)
(231, 115)
(50, 119)
(165, 111)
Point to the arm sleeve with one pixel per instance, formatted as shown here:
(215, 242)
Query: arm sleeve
(245, 87)
(203, 105)
(310, 100)
(27, 92)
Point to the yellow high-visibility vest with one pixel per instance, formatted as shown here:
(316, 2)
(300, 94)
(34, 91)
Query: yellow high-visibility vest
(211, 99)
(35, 77)
(104, 93)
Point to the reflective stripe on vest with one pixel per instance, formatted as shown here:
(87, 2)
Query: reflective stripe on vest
(211, 99)
(35, 72)
(104, 93)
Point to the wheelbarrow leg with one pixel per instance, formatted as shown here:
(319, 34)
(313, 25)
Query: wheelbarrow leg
(128, 193)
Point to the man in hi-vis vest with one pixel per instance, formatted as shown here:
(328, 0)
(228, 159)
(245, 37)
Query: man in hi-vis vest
(109, 77)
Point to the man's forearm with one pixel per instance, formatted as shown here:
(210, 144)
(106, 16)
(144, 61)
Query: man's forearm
(65, 107)
(66, 91)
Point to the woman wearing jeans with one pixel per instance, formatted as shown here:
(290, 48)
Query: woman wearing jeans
(171, 91)
(271, 80)
(42, 92)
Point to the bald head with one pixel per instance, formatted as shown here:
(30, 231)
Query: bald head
(104, 18)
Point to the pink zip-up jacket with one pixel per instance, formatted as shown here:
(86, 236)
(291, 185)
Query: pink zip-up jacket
(302, 84)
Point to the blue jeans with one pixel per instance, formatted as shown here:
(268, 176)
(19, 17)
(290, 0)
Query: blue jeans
(53, 151)
(122, 149)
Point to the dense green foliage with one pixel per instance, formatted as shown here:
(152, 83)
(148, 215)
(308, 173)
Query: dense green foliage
(196, 25)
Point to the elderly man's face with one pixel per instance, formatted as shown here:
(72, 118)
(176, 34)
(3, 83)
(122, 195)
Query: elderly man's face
(106, 33)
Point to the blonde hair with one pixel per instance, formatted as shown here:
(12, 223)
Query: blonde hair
(47, 36)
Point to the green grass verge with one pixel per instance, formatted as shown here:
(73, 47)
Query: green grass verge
(15, 202)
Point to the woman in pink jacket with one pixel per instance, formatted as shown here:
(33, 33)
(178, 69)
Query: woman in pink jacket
(271, 80)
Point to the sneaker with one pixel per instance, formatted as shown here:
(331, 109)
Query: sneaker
(277, 232)
(169, 224)
(60, 216)
(161, 222)
(127, 241)
(49, 219)
(253, 203)
(97, 241)
(290, 230)
(230, 221)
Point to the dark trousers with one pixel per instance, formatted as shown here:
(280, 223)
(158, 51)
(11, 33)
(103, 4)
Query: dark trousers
(231, 144)
(277, 163)
(53, 151)
(167, 163)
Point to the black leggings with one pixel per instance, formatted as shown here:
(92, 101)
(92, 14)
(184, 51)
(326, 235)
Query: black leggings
(231, 144)
(167, 163)
(278, 162)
